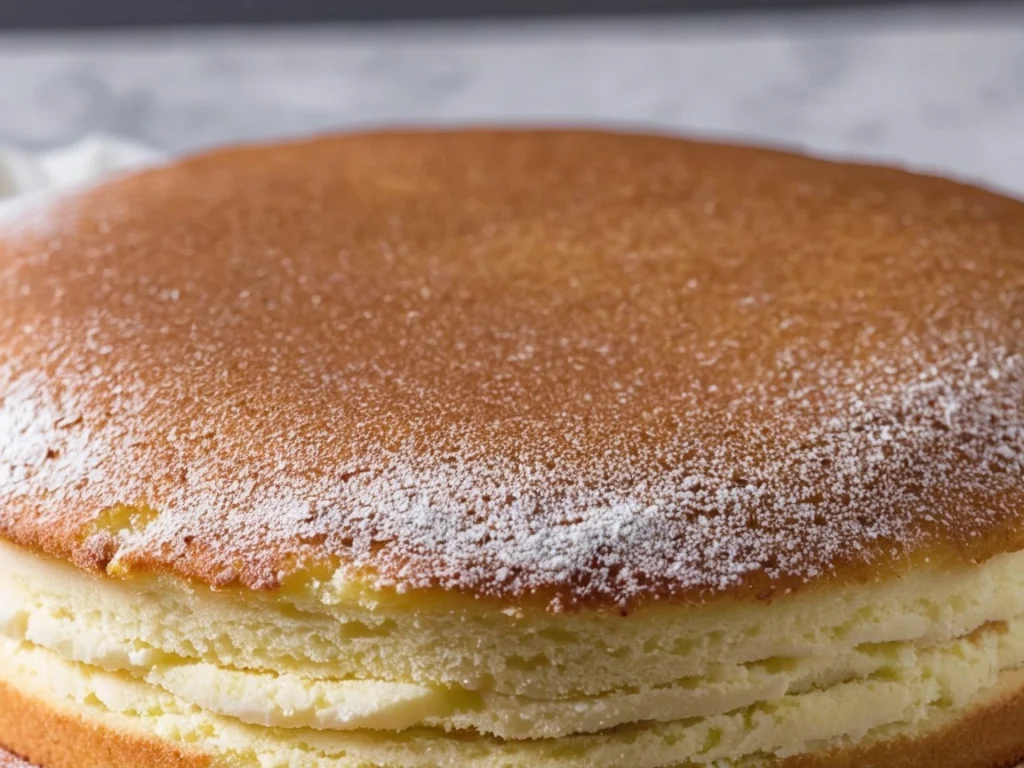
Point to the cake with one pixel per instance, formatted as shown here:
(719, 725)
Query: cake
(512, 449)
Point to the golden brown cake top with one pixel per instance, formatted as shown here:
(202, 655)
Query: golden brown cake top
(570, 367)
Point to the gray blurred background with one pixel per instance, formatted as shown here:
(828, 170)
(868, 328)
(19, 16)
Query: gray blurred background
(932, 85)
(75, 13)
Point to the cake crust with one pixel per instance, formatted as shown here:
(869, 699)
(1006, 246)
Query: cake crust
(564, 368)
(49, 738)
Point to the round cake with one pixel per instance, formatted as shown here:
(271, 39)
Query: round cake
(512, 449)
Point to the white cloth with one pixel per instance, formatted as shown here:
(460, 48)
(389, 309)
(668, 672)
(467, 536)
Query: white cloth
(89, 159)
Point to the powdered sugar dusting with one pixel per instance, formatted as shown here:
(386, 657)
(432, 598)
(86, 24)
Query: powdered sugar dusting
(609, 369)
(7, 760)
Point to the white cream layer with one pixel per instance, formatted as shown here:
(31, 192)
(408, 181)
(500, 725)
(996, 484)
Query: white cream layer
(60, 624)
(857, 712)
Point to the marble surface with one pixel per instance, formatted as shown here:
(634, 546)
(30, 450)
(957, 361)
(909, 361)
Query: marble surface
(931, 88)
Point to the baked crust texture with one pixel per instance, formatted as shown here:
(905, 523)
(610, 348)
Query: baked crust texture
(569, 368)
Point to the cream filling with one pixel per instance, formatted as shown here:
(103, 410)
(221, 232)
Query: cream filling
(336, 630)
(896, 701)
(288, 700)
(932, 656)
